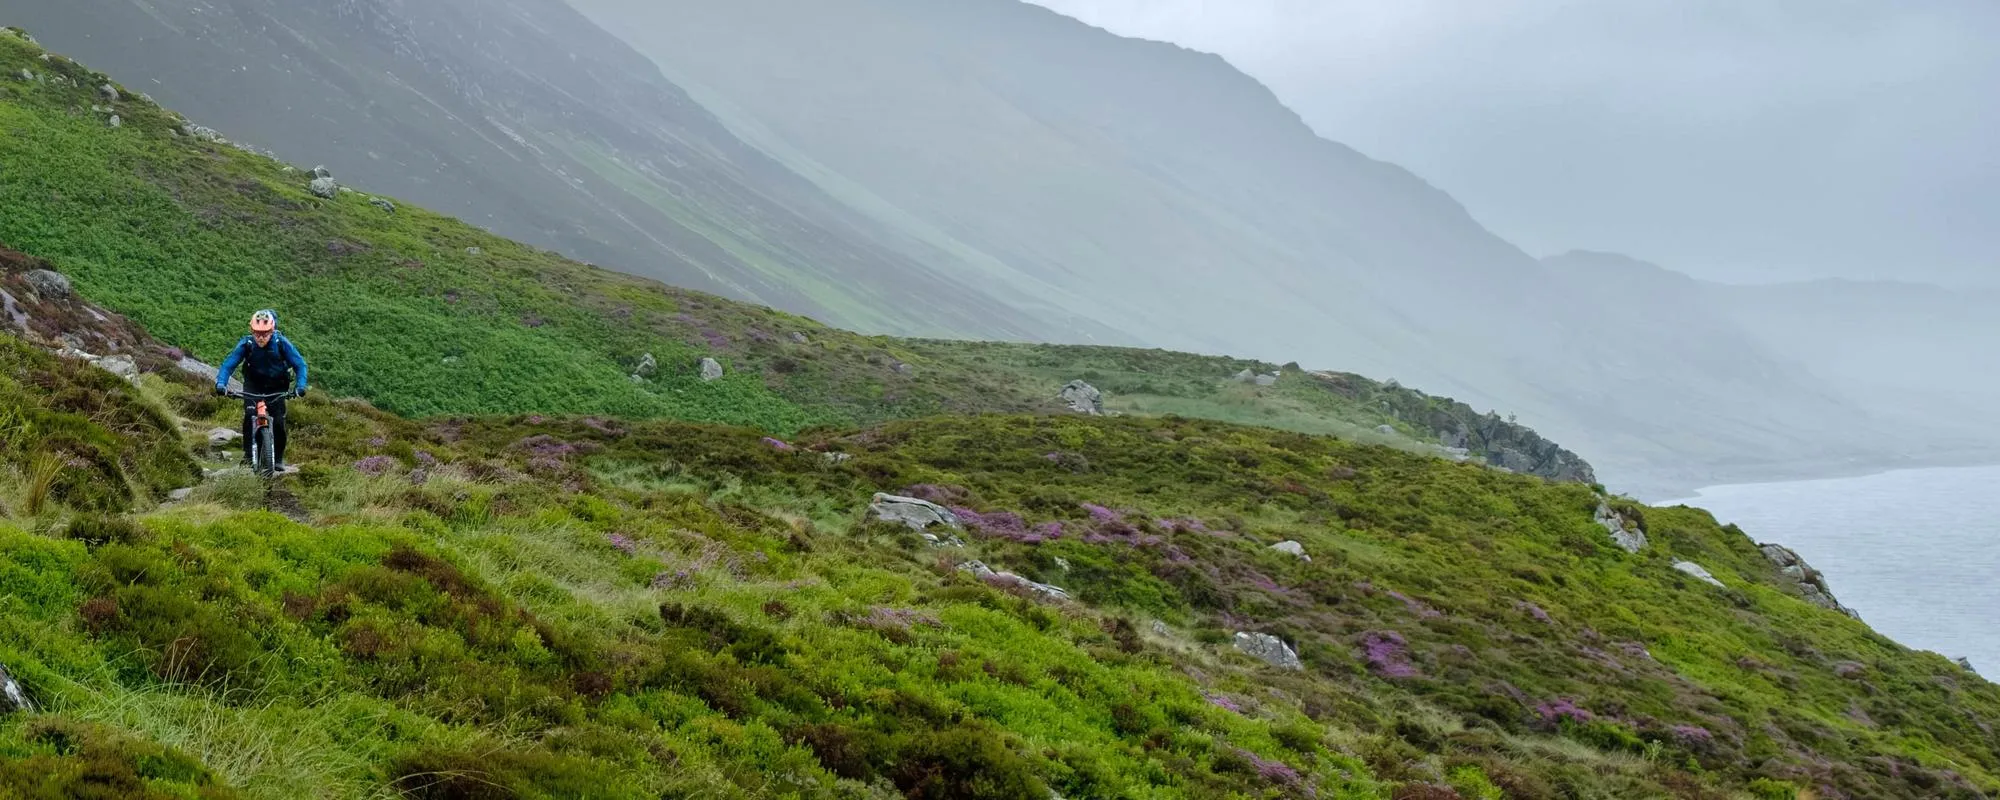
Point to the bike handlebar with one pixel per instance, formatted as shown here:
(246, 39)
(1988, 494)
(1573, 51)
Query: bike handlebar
(248, 396)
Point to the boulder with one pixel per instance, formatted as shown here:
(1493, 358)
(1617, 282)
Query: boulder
(48, 284)
(324, 188)
(1628, 537)
(1386, 430)
(800, 338)
(647, 366)
(13, 697)
(917, 514)
(474, 251)
(1269, 649)
(321, 172)
(711, 369)
(1083, 398)
(1967, 664)
(1245, 376)
(115, 121)
(1810, 583)
(1265, 380)
(218, 437)
(1698, 573)
(120, 365)
(1293, 549)
(179, 495)
(383, 204)
(110, 93)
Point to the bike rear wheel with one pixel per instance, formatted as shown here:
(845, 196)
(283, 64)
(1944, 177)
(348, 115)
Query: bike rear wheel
(267, 456)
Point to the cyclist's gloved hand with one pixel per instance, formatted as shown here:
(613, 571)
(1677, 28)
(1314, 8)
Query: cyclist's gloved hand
(299, 392)
(220, 391)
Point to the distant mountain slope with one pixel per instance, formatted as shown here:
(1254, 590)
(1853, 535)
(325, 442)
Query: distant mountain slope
(1177, 198)
(523, 117)
(426, 315)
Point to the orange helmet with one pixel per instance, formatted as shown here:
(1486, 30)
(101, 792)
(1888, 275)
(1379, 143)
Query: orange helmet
(264, 321)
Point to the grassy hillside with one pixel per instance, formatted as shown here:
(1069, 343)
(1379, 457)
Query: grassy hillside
(583, 607)
(423, 314)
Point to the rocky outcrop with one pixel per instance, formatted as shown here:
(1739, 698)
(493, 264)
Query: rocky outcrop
(1293, 549)
(13, 697)
(1269, 649)
(1083, 398)
(648, 366)
(324, 188)
(1967, 664)
(382, 203)
(49, 284)
(711, 369)
(1624, 533)
(1010, 580)
(1698, 573)
(1810, 583)
(915, 513)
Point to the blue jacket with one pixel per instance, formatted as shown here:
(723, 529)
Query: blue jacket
(264, 367)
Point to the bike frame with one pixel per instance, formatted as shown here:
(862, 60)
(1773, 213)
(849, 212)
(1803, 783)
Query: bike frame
(263, 423)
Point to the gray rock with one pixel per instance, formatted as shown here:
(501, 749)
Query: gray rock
(1386, 430)
(474, 251)
(1265, 380)
(836, 459)
(205, 372)
(1269, 649)
(1245, 376)
(49, 284)
(1628, 537)
(904, 369)
(204, 133)
(218, 437)
(383, 204)
(915, 513)
(180, 495)
(985, 573)
(1698, 573)
(1810, 582)
(648, 366)
(13, 309)
(800, 338)
(27, 75)
(711, 369)
(110, 93)
(1083, 398)
(1967, 664)
(120, 365)
(321, 172)
(13, 696)
(115, 121)
(1294, 549)
(1849, 670)
(324, 188)
(1161, 629)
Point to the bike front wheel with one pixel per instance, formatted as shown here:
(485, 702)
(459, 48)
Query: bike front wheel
(267, 454)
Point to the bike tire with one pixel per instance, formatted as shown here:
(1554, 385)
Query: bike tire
(267, 456)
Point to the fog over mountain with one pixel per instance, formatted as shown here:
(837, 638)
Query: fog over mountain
(1741, 142)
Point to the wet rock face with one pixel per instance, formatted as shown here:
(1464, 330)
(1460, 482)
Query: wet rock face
(1810, 583)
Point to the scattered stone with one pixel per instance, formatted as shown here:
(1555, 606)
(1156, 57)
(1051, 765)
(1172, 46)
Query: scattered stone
(180, 495)
(110, 93)
(474, 251)
(648, 366)
(917, 514)
(1698, 573)
(321, 172)
(27, 75)
(1083, 398)
(115, 121)
(800, 338)
(985, 573)
(49, 284)
(120, 365)
(1269, 649)
(13, 697)
(1265, 380)
(218, 437)
(1161, 629)
(934, 541)
(1386, 430)
(711, 369)
(1967, 664)
(1062, 563)
(1810, 582)
(836, 459)
(1628, 537)
(904, 369)
(324, 188)
(1293, 549)
(383, 204)
(1245, 376)
(204, 133)
(1849, 670)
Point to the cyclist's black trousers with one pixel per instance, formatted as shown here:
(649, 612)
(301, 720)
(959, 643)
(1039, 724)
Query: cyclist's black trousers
(277, 408)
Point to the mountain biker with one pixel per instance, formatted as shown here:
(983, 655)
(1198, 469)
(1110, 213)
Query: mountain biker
(266, 357)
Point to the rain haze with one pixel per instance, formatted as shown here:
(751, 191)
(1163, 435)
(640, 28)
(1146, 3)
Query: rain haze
(1740, 142)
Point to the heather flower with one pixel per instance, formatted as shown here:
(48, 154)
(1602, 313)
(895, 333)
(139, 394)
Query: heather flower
(623, 543)
(546, 446)
(378, 441)
(1388, 654)
(1692, 737)
(424, 458)
(1534, 611)
(942, 495)
(1102, 514)
(900, 618)
(419, 477)
(375, 466)
(1223, 702)
(777, 444)
(1416, 607)
(1271, 771)
(546, 465)
(1555, 712)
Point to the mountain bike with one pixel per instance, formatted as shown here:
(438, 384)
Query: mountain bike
(263, 453)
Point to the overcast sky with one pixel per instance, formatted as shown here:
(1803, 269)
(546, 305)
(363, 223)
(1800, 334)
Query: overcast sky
(1744, 140)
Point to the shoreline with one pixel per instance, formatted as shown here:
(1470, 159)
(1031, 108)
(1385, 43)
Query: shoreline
(1658, 489)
